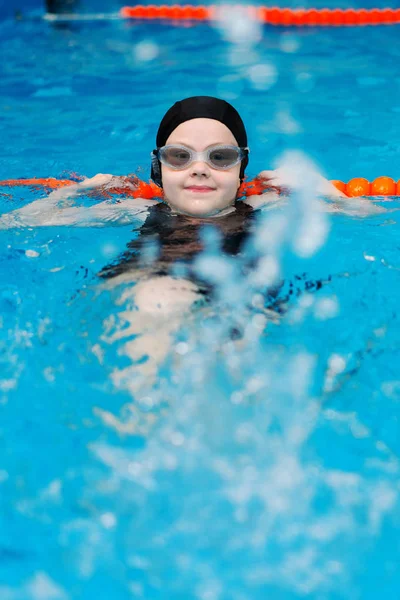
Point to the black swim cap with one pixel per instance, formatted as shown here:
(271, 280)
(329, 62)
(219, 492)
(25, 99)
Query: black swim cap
(199, 107)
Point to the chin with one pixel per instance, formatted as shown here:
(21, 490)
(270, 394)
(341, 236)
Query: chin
(202, 210)
(199, 208)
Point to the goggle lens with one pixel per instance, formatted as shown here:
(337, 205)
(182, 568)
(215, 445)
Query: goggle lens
(223, 158)
(176, 158)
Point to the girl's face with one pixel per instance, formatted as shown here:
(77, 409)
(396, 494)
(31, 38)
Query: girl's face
(200, 190)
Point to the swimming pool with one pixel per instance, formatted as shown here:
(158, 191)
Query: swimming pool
(265, 471)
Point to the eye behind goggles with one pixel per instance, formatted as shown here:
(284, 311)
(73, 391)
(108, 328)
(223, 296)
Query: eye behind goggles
(220, 157)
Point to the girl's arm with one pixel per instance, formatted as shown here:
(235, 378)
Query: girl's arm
(58, 209)
(286, 179)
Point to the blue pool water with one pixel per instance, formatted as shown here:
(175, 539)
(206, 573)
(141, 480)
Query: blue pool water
(269, 470)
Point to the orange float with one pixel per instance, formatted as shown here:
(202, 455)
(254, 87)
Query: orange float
(359, 186)
(383, 186)
(286, 17)
(339, 185)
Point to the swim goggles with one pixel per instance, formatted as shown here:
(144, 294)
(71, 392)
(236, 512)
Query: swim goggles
(219, 157)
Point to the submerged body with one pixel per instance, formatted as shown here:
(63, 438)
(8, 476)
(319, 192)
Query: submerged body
(167, 240)
(162, 297)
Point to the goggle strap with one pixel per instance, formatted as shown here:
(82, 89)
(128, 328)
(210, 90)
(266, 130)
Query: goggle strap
(155, 168)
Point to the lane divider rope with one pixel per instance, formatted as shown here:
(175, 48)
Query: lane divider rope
(320, 17)
(136, 188)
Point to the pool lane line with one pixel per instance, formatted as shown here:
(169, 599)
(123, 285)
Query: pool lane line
(82, 17)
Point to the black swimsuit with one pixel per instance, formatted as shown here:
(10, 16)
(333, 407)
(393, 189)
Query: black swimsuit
(179, 241)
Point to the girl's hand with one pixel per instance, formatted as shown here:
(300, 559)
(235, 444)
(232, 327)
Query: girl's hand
(286, 178)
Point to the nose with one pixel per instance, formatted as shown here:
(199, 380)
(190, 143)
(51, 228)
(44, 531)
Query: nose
(199, 169)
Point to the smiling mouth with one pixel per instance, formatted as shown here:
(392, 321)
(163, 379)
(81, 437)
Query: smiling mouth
(200, 188)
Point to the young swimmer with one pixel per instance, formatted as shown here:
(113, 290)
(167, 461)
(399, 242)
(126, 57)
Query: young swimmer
(199, 162)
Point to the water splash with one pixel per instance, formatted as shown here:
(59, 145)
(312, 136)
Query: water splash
(234, 491)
